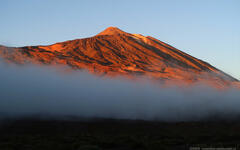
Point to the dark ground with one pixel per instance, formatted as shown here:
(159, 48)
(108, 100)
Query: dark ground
(107, 134)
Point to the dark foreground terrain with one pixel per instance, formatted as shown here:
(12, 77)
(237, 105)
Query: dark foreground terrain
(99, 134)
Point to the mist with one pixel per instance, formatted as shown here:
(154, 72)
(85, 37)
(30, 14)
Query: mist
(43, 91)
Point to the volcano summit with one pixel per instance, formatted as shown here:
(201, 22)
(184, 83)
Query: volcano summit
(114, 52)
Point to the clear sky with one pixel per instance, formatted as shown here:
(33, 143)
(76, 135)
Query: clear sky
(206, 29)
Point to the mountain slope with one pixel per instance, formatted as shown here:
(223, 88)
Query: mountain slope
(115, 52)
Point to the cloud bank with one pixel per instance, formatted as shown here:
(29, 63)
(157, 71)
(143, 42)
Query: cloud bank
(45, 91)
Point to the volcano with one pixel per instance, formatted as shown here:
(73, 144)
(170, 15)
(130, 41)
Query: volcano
(114, 52)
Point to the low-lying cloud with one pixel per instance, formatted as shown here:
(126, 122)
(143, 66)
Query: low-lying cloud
(45, 91)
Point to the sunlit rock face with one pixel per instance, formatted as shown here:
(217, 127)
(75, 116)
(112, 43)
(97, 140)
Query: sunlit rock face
(114, 52)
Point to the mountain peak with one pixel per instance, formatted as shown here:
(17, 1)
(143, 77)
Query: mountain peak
(112, 31)
(124, 54)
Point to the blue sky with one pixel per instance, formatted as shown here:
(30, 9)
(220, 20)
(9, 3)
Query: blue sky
(206, 29)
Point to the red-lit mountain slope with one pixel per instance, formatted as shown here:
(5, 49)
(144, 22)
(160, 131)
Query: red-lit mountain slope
(114, 52)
